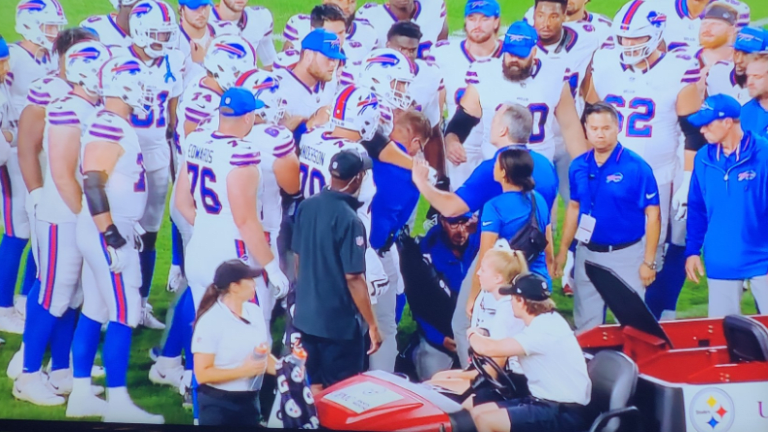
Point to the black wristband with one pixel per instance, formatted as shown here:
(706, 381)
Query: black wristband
(694, 140)
(375, 145)
(113, 238)
(461, 124)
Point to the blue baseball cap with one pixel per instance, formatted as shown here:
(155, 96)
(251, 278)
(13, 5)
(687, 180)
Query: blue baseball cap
(520, 39)
(237, 102)
(717, 107)
(4, 53)
(489, 8)
(751, 40)
(324, 42)
(195, 4)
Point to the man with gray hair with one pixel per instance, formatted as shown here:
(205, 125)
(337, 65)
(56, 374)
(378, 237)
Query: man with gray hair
(511, 126)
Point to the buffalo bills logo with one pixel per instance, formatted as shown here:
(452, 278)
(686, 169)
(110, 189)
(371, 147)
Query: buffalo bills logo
(745, 37)
(656, 19)
(268, 84)
(369, 101)
(515, 38)
(355, 44)
(233, 50)
(747, 175)
(32, 6)
(385, 60)
(130, 67)
(614, 178)
(141, 9)
(87, 54)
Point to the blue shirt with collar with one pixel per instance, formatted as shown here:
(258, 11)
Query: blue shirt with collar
(453, 269)
(480, 187)
(754, 118)
(616, 194)
(728, 210)
(396, 198)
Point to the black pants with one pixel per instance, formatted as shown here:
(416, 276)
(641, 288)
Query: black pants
(332, 360)
(227, 408)
(530, 414)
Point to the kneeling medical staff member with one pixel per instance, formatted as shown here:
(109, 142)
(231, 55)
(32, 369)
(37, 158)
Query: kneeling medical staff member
(551, 359)
(228, 330)
(728, 208)
(614, 204)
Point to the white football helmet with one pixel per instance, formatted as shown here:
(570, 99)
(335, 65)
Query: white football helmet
(356, 109)
(266, 88)
(388, 73)
(153, 23)
(32, 16)
(118, 3)
(227, 57)
(638, 19)
(123, 77)
(83, 63)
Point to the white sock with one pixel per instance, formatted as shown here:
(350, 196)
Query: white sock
(81, 385)
(118, 395)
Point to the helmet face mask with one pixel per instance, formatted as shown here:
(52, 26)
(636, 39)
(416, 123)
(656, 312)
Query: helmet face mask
(637, 20)
(83, 63)
(388, 73)
(39, 21)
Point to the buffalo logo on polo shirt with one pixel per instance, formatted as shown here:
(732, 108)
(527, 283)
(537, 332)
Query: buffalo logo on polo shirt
(747, 175)
(614, 178)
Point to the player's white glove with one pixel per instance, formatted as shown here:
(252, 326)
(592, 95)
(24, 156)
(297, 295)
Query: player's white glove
(680, 199)
(119, 258)
(376, 288)
(138, 231)
(277, 279)
(30, 205)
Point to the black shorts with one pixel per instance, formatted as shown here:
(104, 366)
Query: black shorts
(530, 414)
(332, 360)
(486, 393)
(227, 408)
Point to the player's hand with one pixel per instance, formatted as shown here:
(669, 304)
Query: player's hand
(420, 171)
(693, 268)
(138, 241)
(375, 336)
(198, 52)
(119, 258)
(320, 117)
(454, 152)
(680, 199)
(647, 275)
(432, 176)
(277, 279)
(449, 344)
(291, 122)
(560, 260)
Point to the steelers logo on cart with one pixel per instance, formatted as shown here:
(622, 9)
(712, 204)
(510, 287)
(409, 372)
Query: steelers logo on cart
(712, 410)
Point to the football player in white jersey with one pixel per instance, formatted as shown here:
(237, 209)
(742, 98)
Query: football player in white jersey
(576, 12)
(453, 57)
(254, 23)
(717, 34)
(430, 15)
(730, 77)
(529, 80)
(355, 117)
(114, 196)
(654, 93)
(359, 36)
(196, 35)
(684, 19)
(113, 29)
(38, 22)
(56, 217)
(5, 105)
(153, 31)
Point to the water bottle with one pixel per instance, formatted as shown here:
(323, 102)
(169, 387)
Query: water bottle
(299, 357)
(259, 353)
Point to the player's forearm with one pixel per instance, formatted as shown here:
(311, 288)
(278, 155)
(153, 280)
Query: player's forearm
(434, 151)
(30, 144)
(447, 203)
(392, 154)
(253, 235)
(507, 347)
(103, 221)
(690, 156)
(71, 193)
(652, 232)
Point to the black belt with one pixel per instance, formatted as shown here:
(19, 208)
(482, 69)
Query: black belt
(610, 248)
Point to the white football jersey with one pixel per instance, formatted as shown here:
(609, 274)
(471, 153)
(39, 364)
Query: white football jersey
(7, 121)
(166, 79)
(646, 102)
(601, 24)
(360, 40)
(540, 93)
(682, 29)
(425, 90)
(191, 69)
(574, 52)
(105, 26)
(70, 111)
(126, 187)
(430, 15)
(24, 70)
(197, 103)
(454, 60)
(46, 90)
(255, 26)
(299, 99)
(273, 142)
(722, 80)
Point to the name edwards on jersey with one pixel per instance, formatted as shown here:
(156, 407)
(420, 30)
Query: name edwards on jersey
(200, 154)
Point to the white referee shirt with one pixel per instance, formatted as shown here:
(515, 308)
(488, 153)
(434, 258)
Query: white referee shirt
(230, 339)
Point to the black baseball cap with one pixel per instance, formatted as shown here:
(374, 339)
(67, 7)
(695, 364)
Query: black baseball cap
(722, 12)
(530, 287)
(232, 271)
(348, 163)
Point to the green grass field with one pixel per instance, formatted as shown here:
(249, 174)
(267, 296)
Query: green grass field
(166, 401)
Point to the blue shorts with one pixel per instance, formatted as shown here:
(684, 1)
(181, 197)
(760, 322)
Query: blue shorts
(529, 414)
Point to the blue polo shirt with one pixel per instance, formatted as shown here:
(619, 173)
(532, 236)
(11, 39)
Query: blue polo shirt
(616, 194)
(396, 198)
(754, 118)
(508, 213)
(480, 187)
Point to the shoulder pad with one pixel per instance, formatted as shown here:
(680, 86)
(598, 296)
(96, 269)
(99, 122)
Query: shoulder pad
(370, 5)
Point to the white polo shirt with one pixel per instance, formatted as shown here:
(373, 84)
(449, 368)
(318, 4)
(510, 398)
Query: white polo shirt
(230, 339)
(504, 324)
(554, 363)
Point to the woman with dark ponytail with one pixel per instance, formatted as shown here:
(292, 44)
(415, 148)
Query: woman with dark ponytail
(230, 348)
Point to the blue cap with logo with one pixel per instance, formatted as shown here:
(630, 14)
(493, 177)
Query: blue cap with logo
(717, 107)
(489, 8)
(751, 40)
(520, 39)
(4, 52)
(324, 42)
(195, 4)
(237, 102)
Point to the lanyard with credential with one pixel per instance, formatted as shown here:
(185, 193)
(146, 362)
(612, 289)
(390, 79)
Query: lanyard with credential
(594, 189)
